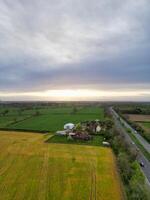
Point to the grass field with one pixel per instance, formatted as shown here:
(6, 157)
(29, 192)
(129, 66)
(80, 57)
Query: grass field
(50, 119)
(31, 169)
(95, 141)
(146, 124)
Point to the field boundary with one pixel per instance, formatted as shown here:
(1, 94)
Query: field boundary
(24, 130)
(21, 120)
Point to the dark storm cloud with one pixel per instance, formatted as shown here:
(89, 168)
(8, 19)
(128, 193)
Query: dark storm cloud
(49, 44)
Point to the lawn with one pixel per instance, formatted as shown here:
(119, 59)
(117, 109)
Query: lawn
(53, 119)
(32, 169)
(95, 141)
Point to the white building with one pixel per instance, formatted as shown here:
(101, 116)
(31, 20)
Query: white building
(69, 126)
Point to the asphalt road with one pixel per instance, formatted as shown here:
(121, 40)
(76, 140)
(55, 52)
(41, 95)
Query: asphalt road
(141, 157)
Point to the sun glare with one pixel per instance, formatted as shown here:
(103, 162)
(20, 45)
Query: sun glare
(80, 94)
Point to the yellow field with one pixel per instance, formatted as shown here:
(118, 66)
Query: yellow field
(33, 169)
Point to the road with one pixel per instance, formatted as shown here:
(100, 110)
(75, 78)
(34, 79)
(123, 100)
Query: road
(141, 157)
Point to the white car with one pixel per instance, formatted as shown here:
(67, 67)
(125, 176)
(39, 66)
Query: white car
(132, 143)
(135, 131)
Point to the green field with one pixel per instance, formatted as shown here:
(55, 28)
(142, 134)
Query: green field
(32, 169)
(49, 118)
(146, 124)
(146, 127)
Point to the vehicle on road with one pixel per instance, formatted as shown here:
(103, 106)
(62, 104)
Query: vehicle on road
(135, 132)
(141, 164)
(132, 143)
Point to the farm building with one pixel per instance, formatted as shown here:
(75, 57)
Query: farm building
(69, 126)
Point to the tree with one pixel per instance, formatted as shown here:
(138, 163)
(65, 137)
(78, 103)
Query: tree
(78, 127)
(19, 111)
(108, 124)
(74, 110)
(5, 112)
(138, 110)
(133, 153)
(137, 187)
(14, 120)
(137, 191)
(125, 167)
(37, 113)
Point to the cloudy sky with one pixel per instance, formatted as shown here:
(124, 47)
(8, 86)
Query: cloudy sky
(75, 50)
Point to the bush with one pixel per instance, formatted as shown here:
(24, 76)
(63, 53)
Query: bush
(129, 130)
(137, 188)
(69, 138)
(125, 167)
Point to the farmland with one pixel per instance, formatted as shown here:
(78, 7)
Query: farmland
(31, 168)
(47, 118)
(146, 124)
(146, 127)
(142, 120)
(138, 118)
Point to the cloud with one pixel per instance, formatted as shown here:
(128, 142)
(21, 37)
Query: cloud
(50, 44)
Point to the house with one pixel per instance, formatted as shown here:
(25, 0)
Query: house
(91, 126)
(72, 134)
(98, 128)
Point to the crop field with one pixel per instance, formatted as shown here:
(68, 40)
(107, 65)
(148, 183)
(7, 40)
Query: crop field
(49, 118)
(143, 121)
(11, 115)
(139, 118)
(146, 126)
(33, 169)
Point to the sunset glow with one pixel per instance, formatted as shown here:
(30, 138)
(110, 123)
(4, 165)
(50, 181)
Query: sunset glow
(73, 95)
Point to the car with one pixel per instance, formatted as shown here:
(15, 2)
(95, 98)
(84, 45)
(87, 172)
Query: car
(135, 132)
(141, 164)
(132, 143)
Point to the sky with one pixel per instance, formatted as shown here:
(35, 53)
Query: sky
(75, 50)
